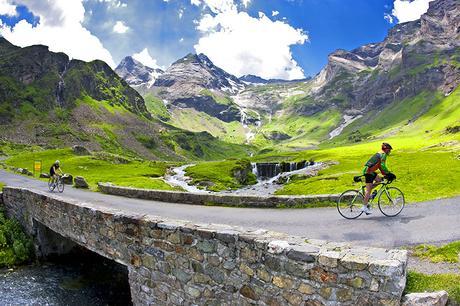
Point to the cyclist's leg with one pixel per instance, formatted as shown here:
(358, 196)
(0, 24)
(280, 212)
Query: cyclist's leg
(377, 181)
(370, 178)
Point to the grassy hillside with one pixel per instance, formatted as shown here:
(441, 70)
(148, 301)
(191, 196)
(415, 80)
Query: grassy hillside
(426, 154)
(425, 135)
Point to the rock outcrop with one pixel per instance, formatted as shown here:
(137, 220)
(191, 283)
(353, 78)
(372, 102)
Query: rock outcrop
(195, 82)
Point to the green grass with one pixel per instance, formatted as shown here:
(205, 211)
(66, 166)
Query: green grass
(422, 175)
(15, 246)
(100, 168)
(195, 121)
(425, 156)
(446, 253)
(156, 107)
(2, 185)
(221, 174)
(418, 282)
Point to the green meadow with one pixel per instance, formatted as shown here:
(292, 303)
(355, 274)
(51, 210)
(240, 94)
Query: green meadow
(100, 167)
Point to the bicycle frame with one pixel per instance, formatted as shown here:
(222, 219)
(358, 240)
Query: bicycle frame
(382, 188)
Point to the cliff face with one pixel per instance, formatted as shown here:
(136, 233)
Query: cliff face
(415, 56)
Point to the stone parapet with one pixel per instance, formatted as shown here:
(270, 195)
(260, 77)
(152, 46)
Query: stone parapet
(174, 262)
(216, 199)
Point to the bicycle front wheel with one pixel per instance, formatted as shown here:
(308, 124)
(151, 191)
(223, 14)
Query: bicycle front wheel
(51, 184)
(391, 201)
(350, 203)
(60, 186)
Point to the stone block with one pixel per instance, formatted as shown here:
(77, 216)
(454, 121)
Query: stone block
(249, 293)
(306, 289)
(247, 270)
(282, 282)
(438, 298)
(80, 182)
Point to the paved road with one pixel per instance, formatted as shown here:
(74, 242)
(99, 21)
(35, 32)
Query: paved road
(428, 222)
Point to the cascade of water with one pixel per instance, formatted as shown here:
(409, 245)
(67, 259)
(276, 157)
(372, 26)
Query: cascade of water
(254, 169)
(61, 85)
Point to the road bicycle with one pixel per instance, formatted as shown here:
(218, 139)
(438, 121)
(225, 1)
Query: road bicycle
(390, 200)
(58, 183)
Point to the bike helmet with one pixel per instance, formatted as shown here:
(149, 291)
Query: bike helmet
(386, 145)
(57, 162)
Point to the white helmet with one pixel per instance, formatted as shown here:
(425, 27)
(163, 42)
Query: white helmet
(56, 162)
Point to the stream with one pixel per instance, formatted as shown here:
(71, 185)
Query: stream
(268, 175)
(77, 279)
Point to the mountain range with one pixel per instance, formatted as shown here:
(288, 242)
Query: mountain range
(196, 110)
(415, 57)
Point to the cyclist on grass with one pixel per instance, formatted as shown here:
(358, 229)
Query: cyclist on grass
(55, 171)
(377, 161)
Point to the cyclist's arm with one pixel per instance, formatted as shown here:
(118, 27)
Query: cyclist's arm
(60, 171)
(383, 165)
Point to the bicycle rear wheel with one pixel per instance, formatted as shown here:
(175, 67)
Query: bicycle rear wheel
(60, 185)
(51, 184)
(350, 203)
(391, 201)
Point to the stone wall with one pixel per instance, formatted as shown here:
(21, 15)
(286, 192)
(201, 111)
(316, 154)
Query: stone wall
(172, 262)
(215, 199)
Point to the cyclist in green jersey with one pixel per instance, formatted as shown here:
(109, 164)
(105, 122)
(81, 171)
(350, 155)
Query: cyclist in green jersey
(377, 161)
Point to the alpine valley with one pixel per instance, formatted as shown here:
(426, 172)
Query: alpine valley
(403, 90)
(369, 92)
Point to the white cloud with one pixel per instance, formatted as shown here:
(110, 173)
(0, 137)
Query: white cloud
(60, 27)
(275, 13)
(409, 10)
(120, 27)
(7, 8)
(181, 39)
(145, 58)
(181, 12)
(217, 6)
(246, 2)
(242, 44)
(388, 17)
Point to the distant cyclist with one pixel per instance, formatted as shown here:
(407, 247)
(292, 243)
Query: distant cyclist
(55, 171)
(377, 161)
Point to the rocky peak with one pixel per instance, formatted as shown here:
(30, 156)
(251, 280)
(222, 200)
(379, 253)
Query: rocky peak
(441, 21)
(136, 74)
(199, 70)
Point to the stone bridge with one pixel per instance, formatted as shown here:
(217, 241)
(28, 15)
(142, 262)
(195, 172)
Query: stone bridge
(172, 262)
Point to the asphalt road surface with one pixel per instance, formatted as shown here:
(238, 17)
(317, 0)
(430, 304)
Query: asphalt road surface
(428, 222)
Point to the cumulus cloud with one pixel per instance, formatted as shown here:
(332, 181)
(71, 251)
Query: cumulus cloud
(7, 8)
(120, 27)
(145, 58)
(217, 6)
(275, 13)
(242, 44)
(60, 27)
(405, 10)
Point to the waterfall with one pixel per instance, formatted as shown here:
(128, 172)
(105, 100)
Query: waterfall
(265, 171)
(254, 169)
(61, 86)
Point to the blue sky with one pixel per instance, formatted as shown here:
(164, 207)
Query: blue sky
(271, 38)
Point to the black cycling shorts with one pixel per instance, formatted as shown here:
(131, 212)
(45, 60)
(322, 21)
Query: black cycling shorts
(370, 177)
